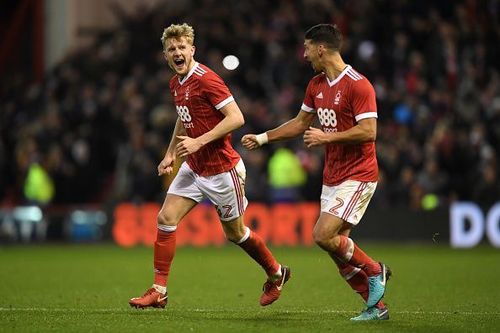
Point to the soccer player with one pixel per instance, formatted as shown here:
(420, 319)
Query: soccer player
(344, 102)
(207, 114)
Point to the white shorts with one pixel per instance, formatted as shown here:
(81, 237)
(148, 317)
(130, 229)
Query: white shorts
(225, 190)
(347, 200)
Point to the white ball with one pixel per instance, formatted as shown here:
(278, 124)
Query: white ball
(230, 62)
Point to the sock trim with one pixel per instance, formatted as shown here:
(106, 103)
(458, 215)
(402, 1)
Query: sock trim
(351, 274)
(160, 289)
(167, 228)
(278, 272)
(245, 237)
(349, 250)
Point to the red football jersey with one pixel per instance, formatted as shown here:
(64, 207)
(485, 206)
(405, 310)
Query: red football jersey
(198, 97)
(340, 104)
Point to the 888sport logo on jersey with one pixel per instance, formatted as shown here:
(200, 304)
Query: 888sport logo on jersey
(328, 119)
(184, 115)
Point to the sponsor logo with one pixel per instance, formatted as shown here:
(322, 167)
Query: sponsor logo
(320, 95)
(469, 224)
(184, 115)
(327, 117)
(183, 112)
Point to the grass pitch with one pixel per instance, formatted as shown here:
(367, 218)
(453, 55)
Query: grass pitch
(68, 288)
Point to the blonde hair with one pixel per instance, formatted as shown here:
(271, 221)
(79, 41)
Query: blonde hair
(177, 31)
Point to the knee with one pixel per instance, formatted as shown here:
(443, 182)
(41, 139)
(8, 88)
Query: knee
(235, 236)
(320, 238)
(236, 233)
(166, 219)
(325, 240)
(334, 243)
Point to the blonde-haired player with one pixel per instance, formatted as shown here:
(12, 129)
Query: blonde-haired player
(207, 114)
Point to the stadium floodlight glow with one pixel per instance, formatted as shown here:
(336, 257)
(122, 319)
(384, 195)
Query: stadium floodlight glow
(230, 62)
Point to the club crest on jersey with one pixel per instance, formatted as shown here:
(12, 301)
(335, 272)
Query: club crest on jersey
(337, 97)
(187, 93)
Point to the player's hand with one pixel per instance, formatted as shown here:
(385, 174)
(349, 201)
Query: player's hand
(187, 146)
(314, 137)
(249, 141)
(166, 165)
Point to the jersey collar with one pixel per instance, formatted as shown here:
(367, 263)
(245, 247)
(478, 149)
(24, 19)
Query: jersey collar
(338, 78)
(188, 75)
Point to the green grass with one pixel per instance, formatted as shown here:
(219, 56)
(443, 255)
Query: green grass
(67, 288)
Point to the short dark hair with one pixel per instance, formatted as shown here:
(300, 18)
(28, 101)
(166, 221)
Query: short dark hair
(328, 34)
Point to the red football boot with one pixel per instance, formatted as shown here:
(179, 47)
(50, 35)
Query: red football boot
(152, 298)
(272, 289)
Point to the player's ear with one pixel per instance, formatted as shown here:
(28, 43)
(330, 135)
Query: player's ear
(193, 50)
(321, 50)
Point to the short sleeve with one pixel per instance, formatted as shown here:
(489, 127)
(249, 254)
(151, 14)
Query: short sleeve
(308, 103)
(363, 101)
(216, 91)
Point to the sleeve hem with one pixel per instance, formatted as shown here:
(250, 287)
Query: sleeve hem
(224, 102)
(366, 115)
(306, 108)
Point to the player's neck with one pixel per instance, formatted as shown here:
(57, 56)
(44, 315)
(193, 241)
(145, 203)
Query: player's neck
(191, 65)
(334, 66)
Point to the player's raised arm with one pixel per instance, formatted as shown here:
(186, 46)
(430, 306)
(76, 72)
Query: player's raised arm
(292, 128)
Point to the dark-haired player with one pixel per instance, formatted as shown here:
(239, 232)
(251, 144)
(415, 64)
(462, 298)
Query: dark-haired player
(344, 101)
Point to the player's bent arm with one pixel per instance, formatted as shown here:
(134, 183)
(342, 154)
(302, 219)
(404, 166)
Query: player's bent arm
(233, 119)
(178, 130)
(364, 131)
(292, 128)
(166, 165)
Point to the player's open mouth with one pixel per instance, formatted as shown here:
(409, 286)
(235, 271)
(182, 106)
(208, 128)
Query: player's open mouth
(179, 63)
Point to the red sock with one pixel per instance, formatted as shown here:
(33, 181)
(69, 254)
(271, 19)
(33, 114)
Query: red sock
(349, 252)
(163, 255)
(358, 280)
(256, 249)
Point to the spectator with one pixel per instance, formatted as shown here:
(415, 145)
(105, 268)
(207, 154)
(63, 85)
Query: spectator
(286, 176)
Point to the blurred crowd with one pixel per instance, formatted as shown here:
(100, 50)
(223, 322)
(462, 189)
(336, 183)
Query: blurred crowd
(94, 130)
